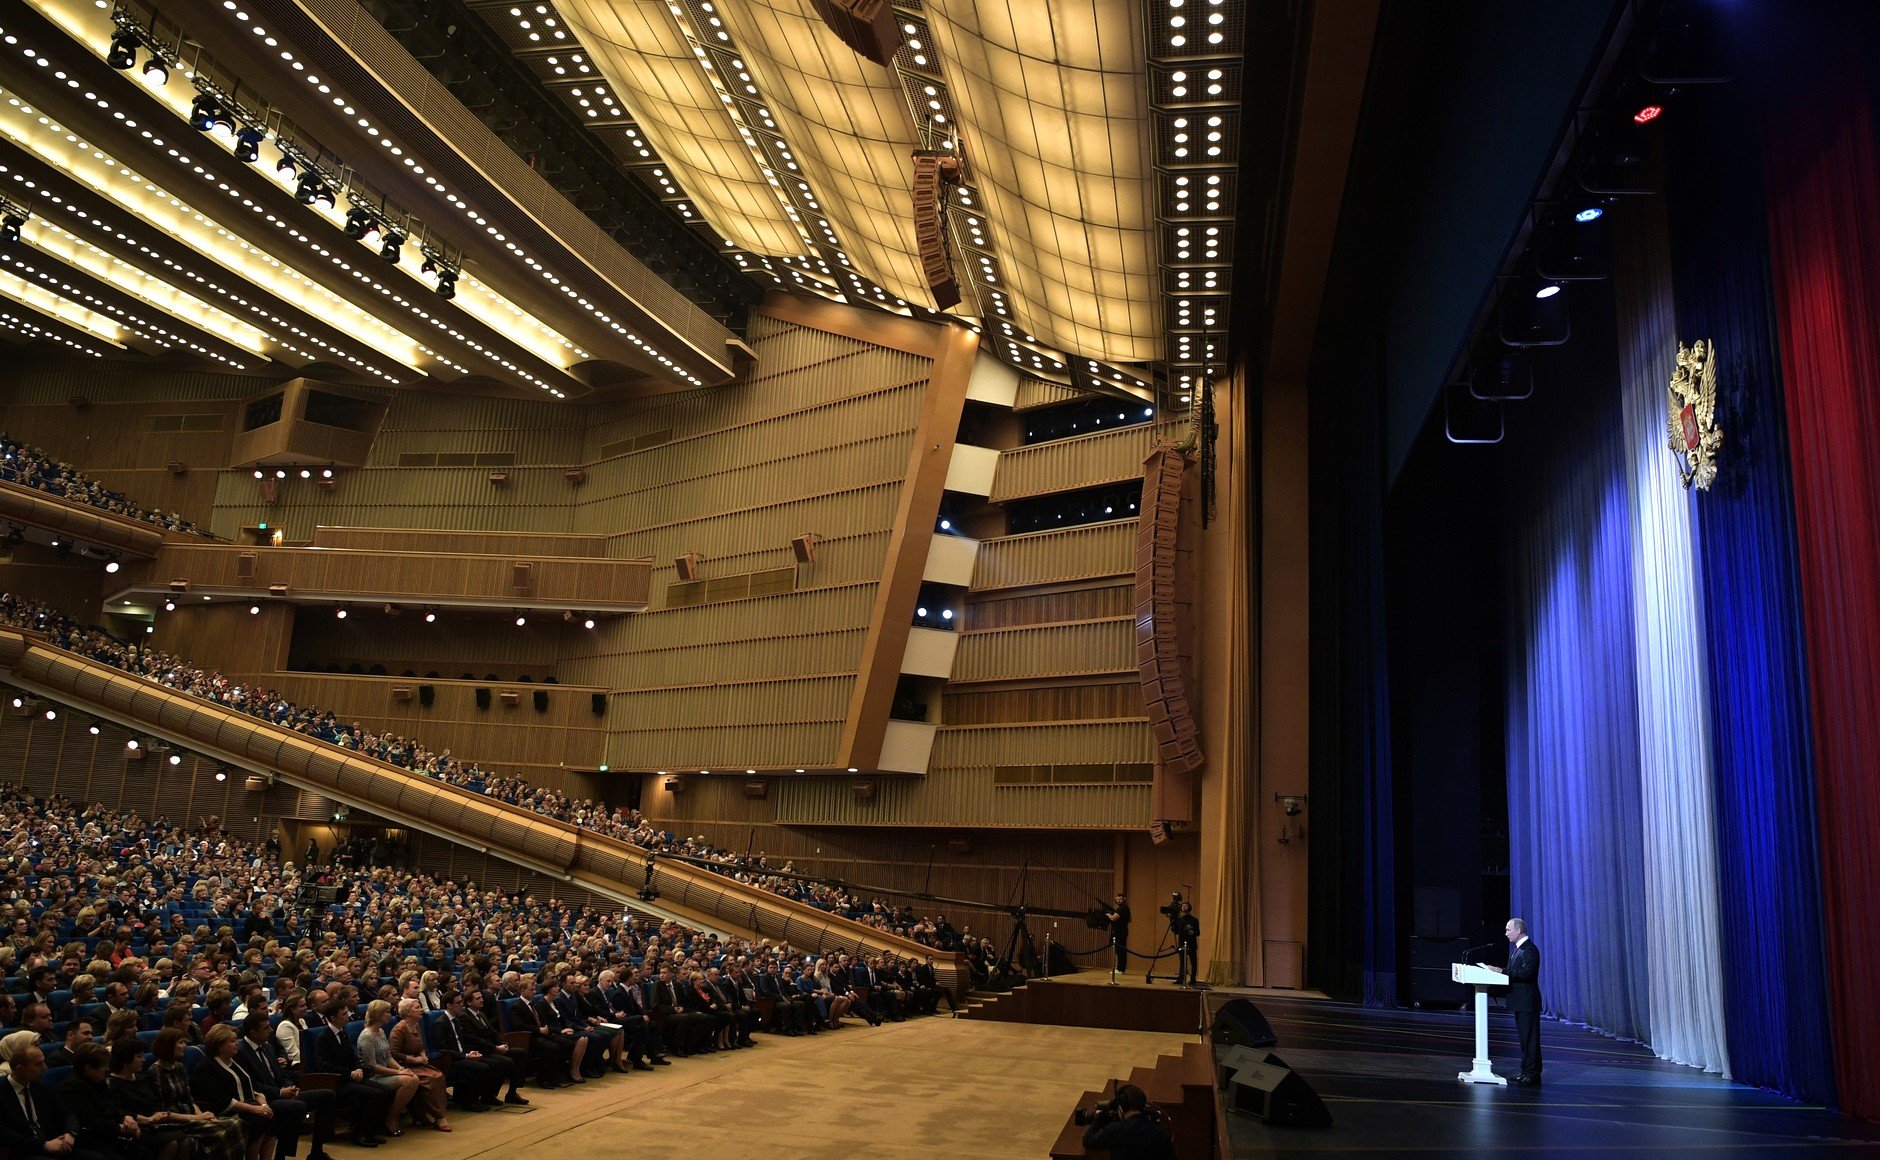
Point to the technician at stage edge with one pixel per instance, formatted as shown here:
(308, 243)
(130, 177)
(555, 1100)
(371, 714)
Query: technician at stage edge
(1524, 998)
(1119, 934)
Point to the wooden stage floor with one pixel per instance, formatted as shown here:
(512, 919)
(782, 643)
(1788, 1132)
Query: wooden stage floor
(1389, 1080)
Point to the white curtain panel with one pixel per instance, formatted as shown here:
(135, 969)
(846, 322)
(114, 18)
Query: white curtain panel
(1684, 943)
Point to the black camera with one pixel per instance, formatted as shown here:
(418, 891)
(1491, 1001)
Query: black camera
(1105, 1112)
(1174, 908)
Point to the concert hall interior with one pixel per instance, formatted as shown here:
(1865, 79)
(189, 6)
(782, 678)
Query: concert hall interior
(803, 576)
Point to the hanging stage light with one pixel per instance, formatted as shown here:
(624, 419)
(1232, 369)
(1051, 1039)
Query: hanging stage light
(284, 165)
(204, 112)
(447, 285)
(310, 190)
(10, 228)
(389, 251)
(358, 223)
(248, 146)
(156, 71)
(123, 54)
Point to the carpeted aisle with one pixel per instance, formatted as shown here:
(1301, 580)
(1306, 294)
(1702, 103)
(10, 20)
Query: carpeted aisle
(905, 1089)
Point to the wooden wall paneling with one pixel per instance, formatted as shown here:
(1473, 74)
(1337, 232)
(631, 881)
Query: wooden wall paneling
(1117, 698)
(1043, 743)
(481, 543)
(950, 796)
(1087, 602)
(771, 745)
(225, 635)
(781, 654)
(1035, 393)
(74, 586)
(456, 643)
(536, 433)
(72, 520)
(1082, 461)
(1003, 654)
(536, 499)
(1088, 551)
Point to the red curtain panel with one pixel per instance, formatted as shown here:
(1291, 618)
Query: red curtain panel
(1823, 173)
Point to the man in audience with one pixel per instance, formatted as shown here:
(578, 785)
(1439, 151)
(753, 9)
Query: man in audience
(258, 1057)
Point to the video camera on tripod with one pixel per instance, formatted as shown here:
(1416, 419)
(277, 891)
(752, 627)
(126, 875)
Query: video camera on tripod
(1173, 910)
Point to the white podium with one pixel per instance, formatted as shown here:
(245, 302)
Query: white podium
(1481, 978)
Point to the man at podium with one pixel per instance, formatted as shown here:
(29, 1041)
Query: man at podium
(1524, 998)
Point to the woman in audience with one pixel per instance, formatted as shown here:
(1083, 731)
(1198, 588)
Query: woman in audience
(227, 1090)
(100, 1121)
(122, 1025)
(375, 1054)
(407, 1043)
(166, 1138)
(167, 1085)
(293, 1024)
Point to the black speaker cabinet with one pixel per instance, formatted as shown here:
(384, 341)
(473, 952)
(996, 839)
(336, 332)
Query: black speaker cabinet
(1277, 1094)
(597, 703)
(1239, 1024)
(541, 700)
(426, 695)
(483, 698)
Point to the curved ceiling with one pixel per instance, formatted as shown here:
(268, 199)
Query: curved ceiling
(642, 50)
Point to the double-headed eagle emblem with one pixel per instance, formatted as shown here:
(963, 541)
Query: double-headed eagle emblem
(1692, 393)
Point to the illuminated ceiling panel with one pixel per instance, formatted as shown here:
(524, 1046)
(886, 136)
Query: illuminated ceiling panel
(640, 48)
(1054, 110)
(846, 119)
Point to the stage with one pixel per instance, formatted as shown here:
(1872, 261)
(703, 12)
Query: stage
(1389, 1081)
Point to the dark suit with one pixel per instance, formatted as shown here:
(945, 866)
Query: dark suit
(332, 1053)
(20, 1137)
(687, 1031)
(268, 1072)
(1524, 1001)
(472, 1081)
(216, 1088)
(551, 1053)
(96, 1116)
(629, 1010)
(479, 1034)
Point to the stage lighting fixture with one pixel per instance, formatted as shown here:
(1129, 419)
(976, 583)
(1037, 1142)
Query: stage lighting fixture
(305, 474)
(204, 112)
(284, 165)
(176, 759)
(123, 54)
(248, 146)
(52, 714)
(522, 621)
(10, 228)
(169, 606)
(1547, 291)
(447, 286)
(588, 623)
(111, 566)
(358, 223)
(340, 612)
(258, 475)
(326, 473)
(280, 473)
(253, 609)
(131, 744)
(389, 251)
(1590, 214)
(93, 730)
(221, 775)
(1648, 114)
(156, 71)
(430, 618)
(308, 188)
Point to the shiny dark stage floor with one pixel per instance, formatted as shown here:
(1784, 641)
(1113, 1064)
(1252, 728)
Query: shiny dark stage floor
(1389, 1080)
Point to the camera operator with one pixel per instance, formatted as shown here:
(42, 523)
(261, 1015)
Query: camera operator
(1129, 1128)
(1187, 930)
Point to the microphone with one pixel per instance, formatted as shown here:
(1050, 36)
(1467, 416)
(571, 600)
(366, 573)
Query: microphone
(1489, 946)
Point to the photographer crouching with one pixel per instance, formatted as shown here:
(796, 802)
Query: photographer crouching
(1128, 1125)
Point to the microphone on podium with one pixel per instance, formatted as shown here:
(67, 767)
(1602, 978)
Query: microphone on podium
(1489, 946)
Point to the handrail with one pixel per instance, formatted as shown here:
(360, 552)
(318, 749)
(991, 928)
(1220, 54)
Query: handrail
(21, 504)
(597, 861)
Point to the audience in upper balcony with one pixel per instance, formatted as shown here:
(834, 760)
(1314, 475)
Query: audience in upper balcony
(34, 468)
(154, 909)
(623, 824)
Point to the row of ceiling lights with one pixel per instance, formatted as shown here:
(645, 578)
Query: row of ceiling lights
(131, 745)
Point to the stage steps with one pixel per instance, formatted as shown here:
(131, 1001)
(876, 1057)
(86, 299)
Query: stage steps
(1129, 1007)
(1182, 1085)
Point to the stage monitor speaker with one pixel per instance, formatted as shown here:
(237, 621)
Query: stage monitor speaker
(1239, 1024)
(1278, 1095)
(597, 704)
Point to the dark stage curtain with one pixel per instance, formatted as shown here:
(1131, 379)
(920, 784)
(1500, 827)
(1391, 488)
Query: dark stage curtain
(1823, 190)
(1769, 884)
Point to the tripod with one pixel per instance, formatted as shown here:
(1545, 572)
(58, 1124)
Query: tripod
(1161, 948)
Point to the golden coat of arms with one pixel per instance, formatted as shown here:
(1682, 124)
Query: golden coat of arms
(1692, 394)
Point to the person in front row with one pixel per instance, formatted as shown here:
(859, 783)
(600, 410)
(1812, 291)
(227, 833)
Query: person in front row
(1524, 998)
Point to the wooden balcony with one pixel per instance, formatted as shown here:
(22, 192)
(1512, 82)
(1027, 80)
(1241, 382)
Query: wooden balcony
(605, 865)
(80, 522)
(372, 576)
